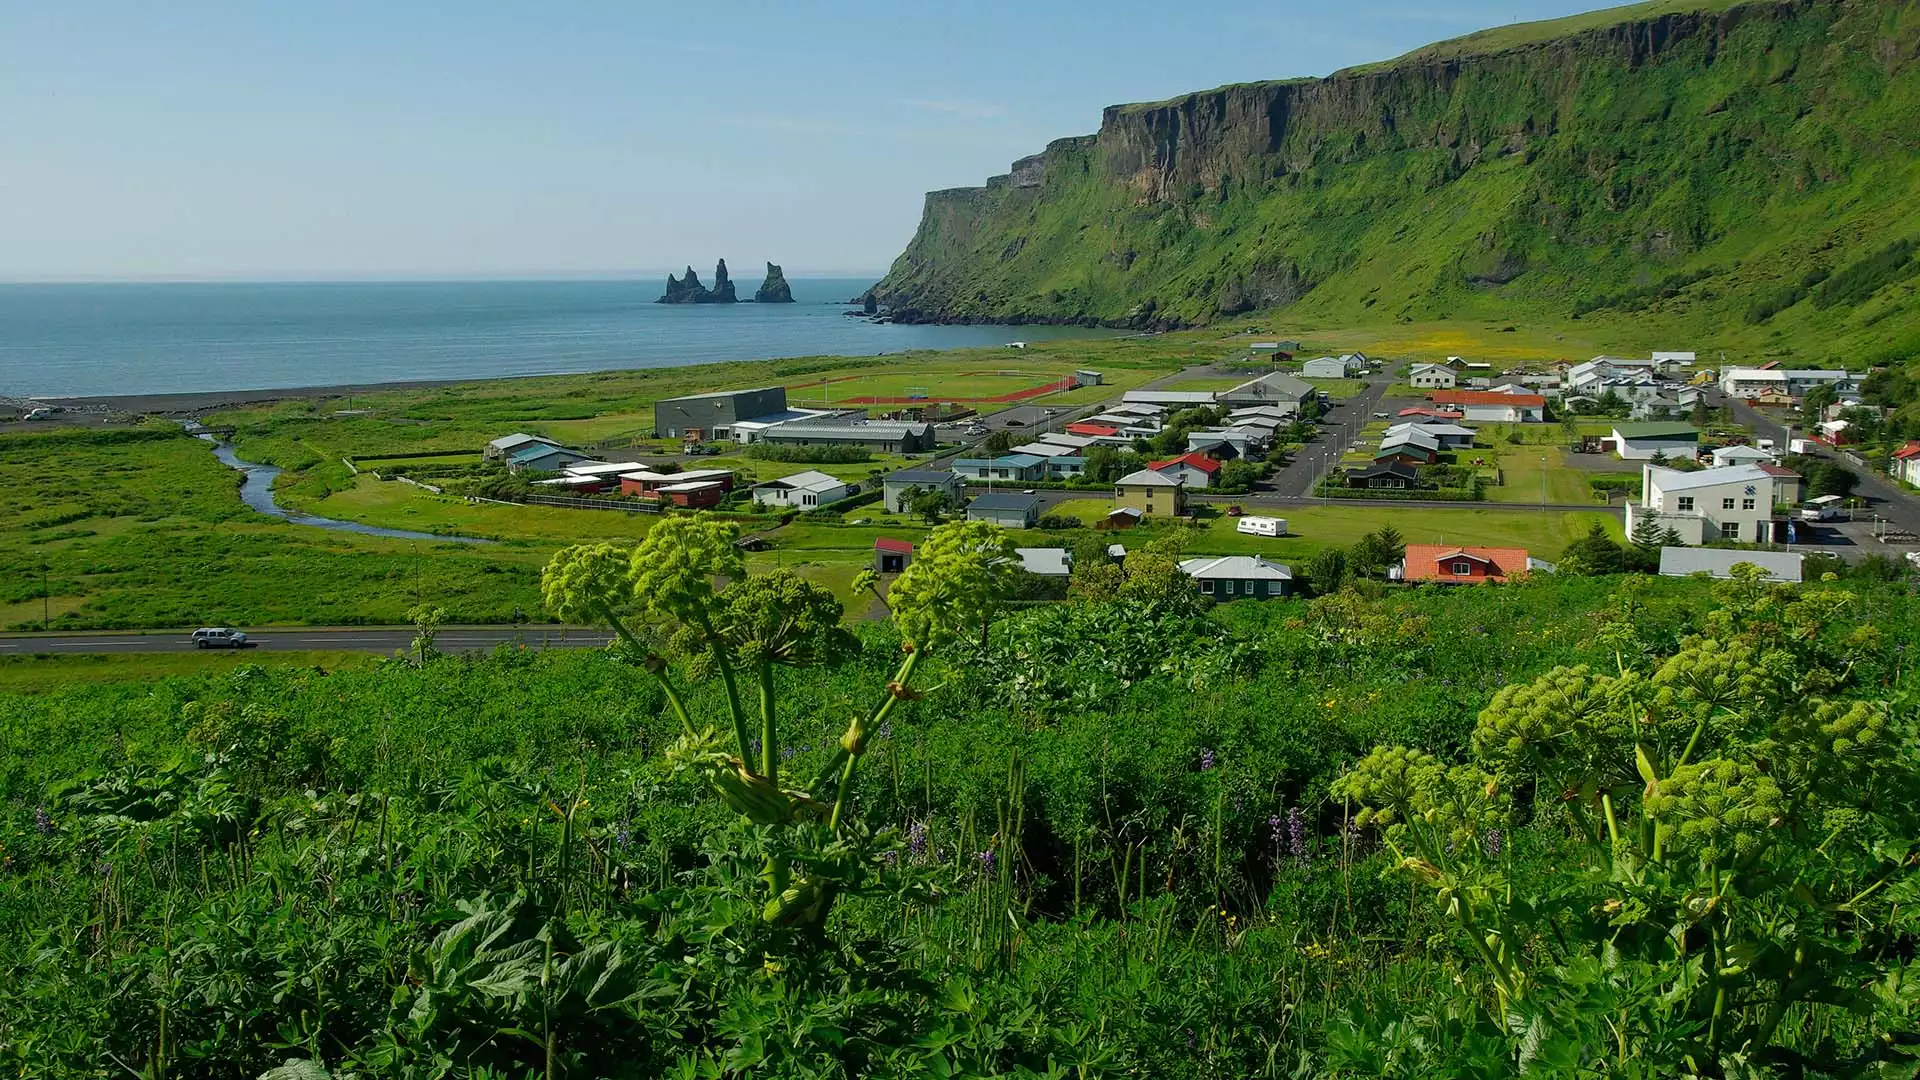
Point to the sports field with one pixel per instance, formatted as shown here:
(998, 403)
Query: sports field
(997, 385)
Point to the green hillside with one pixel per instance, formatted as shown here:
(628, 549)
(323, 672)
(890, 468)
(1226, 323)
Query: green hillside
(1727, 176)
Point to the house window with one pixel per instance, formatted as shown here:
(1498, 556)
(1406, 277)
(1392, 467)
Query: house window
(1686, 502)
(1726, 504)
(1463, 569)
(1730, 530)
(1746, 504)
(1227, 587)
(1206, 586)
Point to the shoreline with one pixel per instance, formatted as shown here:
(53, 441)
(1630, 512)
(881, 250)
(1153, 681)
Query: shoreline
(192, 401)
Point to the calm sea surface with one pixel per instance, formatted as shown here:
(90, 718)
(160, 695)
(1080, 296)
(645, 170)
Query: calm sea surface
(81, 340)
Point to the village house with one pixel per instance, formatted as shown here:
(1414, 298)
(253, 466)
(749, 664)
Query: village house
(507, 445)
(1645, 441)
(1449, 436)
(1384, 475)
(1328, 367)
(1005, 467)
(1411, 445)
(1487, 407)
(1462, 565)
(1432, 377)
(1904, 465)
(1236, 577)
(1734, 503)
(541, 457)
(1275, 388)
(1782, 567)
(1787, 484)
(1048, 562)
(1195, 470)
(1759, 383)
(1724, 456)
(1007, 508)
(653, 485)
(1159, 495)
(1237, 442)
(897, 487)
(694, 494)
(802, 490)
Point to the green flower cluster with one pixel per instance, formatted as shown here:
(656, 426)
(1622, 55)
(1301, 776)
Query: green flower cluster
(1717, 809)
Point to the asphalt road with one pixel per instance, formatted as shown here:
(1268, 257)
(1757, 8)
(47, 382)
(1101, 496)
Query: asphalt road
(308, 639)
(1883, 499)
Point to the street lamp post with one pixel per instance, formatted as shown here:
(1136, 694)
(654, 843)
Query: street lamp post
(46, 601)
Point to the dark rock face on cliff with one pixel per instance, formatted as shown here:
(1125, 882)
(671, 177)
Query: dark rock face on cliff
(774, 289)
(1670, 165)
(688, 290)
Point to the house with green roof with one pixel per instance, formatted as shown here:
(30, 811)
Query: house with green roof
(1651, 439)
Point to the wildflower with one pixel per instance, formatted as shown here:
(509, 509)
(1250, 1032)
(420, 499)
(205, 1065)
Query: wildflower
(987, 861)
(891, 858)
(1297, 834)
(1206, 758)
(1273, 829)
(917, 839)
(1492, 842)
(42, 821)
(623, 836)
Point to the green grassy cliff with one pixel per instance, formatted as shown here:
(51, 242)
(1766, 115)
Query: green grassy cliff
(1731, 173)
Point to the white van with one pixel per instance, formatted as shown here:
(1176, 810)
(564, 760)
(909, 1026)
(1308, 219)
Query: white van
(219, 637)
(1262, 526)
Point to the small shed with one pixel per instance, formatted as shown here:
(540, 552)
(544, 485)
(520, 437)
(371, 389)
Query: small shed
(891, 556)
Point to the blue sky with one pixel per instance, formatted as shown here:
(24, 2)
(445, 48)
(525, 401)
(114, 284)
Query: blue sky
(376, 138)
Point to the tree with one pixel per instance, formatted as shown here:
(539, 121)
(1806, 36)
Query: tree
(1611, 403)
(1238, 476)
(1327, 570)
(999, 442)
(1643, 554)
(1593, 554)
(1310, 407)
(1153, 576)
(1670, 537)
(1102, 464)
(928, 504)
(1376, 553)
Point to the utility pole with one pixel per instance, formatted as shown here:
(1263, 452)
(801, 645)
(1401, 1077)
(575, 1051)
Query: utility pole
(46, 601)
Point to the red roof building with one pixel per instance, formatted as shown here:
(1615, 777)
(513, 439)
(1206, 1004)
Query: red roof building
(1441, 562)
(1094, 430)
(1485, 397)
(1908, 452)
(1194, 458)
(1437, 414)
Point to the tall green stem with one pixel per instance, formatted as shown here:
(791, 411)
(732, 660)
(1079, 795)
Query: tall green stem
(674, 701)
(769, 743)
(725, 664)
(901, 678)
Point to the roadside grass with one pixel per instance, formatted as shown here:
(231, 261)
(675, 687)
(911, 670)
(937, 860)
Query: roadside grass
(1340, 389)
(394, 505)
(45, 672)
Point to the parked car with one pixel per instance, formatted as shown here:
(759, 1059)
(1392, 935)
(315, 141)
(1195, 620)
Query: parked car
(219, 637)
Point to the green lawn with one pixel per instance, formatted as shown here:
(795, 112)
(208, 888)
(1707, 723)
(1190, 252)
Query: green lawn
(1340, 389)
(33, 674)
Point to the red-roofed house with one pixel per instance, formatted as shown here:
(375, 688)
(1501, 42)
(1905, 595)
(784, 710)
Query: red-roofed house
(1441, 562)
(1435, 414)
(1905, 464)
(891, 556)
(1093, 430)
(1197, 469)
(1487, 405)
(1786, 482)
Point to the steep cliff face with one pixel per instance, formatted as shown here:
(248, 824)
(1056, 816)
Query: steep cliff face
(1667, 158)
(774, 290)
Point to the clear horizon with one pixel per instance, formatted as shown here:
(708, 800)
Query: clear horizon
(370, 141)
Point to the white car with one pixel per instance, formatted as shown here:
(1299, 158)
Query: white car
(219, 637)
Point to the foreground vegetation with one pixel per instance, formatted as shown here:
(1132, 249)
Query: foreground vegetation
(1121, 836)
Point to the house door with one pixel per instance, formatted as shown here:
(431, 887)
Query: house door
(892, 564)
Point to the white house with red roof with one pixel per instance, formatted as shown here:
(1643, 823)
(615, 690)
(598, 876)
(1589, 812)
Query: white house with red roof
(1904, 466)
(1197, 470)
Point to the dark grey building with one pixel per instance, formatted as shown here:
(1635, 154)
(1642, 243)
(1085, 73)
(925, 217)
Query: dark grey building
(713, 414)
(895, 486)
(884, 436)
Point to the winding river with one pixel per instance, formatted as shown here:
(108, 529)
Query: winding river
(256, 490)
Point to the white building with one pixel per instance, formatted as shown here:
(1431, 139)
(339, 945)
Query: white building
(802, 490)
(1646, 441)
(1724, 456)
(1326, 367)
(1449, 436)
(1753, 382)
(1734, 503)
(1432, 377)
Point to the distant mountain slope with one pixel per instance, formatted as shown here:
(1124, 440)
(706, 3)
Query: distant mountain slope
(1706, 165)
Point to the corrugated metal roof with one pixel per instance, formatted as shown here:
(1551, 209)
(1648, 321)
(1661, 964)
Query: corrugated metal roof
(1238, 567)
(920, 476)
(1675, 480)
(1146, 478)
(1004, 500)
(1719, 562)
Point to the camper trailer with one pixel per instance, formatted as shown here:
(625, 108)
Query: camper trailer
(1263, 526)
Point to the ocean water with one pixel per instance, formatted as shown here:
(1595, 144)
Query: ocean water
(83, 340)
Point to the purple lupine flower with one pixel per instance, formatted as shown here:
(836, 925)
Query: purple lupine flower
(1206, 758)
(623, 836)
(1493, 842)
(786, 753)
(1297, 834)
(891, 858)
(987, 861)
(42, 821)
(917, 839)
(1274, 825)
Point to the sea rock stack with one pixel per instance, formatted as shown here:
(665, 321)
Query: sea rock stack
(774, 290)
(688, 290)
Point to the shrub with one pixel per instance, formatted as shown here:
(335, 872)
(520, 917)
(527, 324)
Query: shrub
(811, 455)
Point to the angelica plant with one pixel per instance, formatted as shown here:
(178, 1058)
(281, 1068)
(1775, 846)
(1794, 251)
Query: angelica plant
(686, 583)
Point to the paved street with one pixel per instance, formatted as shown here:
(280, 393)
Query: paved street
(316, 638)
